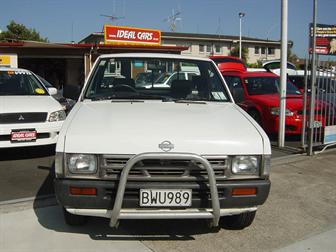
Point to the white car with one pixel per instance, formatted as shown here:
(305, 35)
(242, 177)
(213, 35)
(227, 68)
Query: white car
(29, 116)
(165, 79)
(184, 152)
(274, 66)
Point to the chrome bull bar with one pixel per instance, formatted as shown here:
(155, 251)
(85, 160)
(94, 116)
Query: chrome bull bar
(215, 211)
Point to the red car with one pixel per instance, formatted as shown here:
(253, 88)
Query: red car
(258, 94)
(228, 63)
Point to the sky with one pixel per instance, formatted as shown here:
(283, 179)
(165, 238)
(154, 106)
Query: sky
(67, 20)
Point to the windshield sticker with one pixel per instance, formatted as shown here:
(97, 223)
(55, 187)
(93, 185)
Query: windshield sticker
(39, 91)
(218, 95)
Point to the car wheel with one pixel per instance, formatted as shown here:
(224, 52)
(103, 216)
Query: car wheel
(237, 222)
(255, 115)
(73, 219)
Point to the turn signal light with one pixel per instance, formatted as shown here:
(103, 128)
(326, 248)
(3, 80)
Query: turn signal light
(244, 191)
(83, 191)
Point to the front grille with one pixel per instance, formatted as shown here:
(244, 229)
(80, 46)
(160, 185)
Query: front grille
(158, 169)
(8, 118)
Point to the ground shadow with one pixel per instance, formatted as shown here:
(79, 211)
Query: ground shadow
(50, 216)
(20, 153)
(134, 230)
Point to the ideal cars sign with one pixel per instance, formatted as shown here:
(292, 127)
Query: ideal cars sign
(122, 35)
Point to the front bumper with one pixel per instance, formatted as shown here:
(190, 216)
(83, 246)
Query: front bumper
(208, 199)
(293, 125)
(106, 193)
(47, 133)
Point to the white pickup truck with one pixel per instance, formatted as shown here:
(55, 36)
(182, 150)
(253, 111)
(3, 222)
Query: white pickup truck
(178, 152)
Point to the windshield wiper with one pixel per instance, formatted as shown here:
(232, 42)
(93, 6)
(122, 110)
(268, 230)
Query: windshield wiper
(190, 101)
(101, 98)
(132, 97)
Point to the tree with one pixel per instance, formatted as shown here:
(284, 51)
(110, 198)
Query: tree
(292, 57)
(17, 31)
(235, 52)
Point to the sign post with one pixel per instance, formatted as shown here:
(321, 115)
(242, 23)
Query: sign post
(283, 72)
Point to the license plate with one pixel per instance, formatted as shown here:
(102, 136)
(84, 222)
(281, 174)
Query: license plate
(165, 197)
(23, 135)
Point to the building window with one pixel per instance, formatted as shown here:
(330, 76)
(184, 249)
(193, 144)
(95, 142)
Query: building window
(257, 50)
(263, 50)
(209, 48)
(271, 51)
(201, 48)
(217, 49)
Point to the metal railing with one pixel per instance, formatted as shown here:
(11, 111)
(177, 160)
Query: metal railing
(319, 117)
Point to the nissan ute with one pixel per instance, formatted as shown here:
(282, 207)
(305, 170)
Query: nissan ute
(186, 151)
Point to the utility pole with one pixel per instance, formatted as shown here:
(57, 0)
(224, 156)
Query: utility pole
(313, 87)
(283, 72)
(241, 15)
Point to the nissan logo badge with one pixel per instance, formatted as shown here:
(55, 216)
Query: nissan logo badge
(166, 146)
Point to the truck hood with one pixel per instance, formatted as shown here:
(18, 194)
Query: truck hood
(29, 103)
(106, 127)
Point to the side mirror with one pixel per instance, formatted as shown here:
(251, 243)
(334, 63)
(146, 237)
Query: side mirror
(72, 92)
(52, 91)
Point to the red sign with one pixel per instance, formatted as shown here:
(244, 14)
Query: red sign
(135, 36)
(23, 135)
(325, 39)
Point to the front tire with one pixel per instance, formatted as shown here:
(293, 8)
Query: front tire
(237, 222)
(73, 219)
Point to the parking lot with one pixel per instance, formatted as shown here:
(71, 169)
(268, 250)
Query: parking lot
(301, 205)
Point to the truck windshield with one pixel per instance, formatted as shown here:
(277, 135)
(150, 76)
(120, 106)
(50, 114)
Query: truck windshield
(171, 79)
(20, 83)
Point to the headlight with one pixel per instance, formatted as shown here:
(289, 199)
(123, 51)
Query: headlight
(57, 116)
(245, 165)
(276, 111)
(82, 163)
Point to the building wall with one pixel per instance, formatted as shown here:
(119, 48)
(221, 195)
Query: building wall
(207, 48)
(201, 45)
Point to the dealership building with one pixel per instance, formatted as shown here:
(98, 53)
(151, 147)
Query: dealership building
(69, 64)
(205, 45)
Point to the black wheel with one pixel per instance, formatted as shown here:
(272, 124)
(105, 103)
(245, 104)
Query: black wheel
(237, 222)
(74, 220)
(255, 115)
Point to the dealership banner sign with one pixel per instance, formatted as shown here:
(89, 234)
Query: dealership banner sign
(325, 39)
(122, 35)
